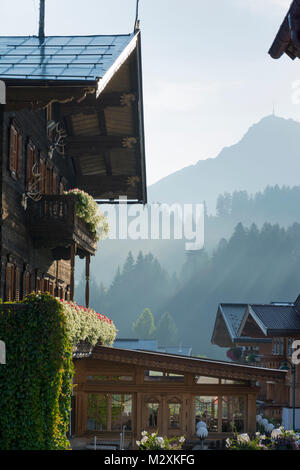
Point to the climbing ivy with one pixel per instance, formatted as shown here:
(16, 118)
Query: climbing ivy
(36, 381)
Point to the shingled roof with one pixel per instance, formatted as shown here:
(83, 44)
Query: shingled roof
(273, 319)
(64, 58)
(227, 324)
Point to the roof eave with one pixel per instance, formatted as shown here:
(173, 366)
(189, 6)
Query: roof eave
(103, 81)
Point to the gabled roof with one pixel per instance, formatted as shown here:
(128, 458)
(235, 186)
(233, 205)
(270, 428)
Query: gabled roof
(63, 58)
(273, 319)
(287, 39)
(96, 85)
(227, 324)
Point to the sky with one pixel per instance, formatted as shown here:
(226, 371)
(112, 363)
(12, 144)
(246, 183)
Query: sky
(207, 75)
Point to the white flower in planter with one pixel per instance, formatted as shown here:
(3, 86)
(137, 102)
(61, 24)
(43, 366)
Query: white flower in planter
(276, 433)
(243, 438)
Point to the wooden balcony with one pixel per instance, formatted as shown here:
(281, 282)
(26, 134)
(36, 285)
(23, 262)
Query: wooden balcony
(53, 224)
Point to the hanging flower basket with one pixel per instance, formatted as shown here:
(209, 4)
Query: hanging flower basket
(87, 209)
(234, 354)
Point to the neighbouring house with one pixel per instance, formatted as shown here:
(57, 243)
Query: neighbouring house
(147, 390)
(270, 329)
(73, 118)
(151, 345)
(287, 40)
(225, 334)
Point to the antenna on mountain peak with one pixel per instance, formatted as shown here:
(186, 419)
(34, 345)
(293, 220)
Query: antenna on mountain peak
(273, 113)
(42, 19)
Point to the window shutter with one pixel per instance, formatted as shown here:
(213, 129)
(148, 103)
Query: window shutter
(17, 283)
(13, 145)
(30, 162)
(9, 282)
(19, 156)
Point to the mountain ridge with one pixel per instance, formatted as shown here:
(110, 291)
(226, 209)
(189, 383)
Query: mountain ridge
(268, 145)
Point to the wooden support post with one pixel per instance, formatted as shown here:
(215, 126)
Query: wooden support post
(72, 281)
(87, 280)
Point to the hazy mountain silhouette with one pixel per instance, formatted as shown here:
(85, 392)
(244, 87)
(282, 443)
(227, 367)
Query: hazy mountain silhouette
(268, 154)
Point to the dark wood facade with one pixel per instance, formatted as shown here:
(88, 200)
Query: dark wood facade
(57, 133)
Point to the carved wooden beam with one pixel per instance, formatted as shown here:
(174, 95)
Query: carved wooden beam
(95, 144)
(39, 97)
(94, 106)
(111, 186)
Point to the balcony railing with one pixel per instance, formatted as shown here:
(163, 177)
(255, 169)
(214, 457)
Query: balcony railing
(53, 224)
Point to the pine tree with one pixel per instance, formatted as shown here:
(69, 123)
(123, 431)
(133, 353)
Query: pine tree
(144, 327)
(167, 332)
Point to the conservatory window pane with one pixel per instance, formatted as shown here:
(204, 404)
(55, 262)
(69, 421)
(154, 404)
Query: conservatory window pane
(97, 412)
(201, 379)
(153, 376)
(174, 415)
(207, 411)
(233, 414)
(152, 414)
(121, 412)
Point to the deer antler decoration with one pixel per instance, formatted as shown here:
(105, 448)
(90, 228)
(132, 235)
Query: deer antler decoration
(32, 188)
(58, 143)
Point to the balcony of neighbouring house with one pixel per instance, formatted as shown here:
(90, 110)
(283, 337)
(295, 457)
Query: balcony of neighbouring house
(54, 225)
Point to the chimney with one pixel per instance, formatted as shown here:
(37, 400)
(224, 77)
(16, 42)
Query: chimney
(42, 19)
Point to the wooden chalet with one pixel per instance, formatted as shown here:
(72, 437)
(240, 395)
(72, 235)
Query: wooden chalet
(287, 40)
(153, 391)
(270, 330)
(73, 118)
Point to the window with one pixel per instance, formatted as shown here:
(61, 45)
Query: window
(290, 346)
(153, 409)
(110, 378)
(30, 162)
(109, 412)
(278, 346)
(221, 414)
(174, 415)
(174, 377)
(232, 382)
(15, 153)
(200, 379)
(207, 411)
(157, 376)
(121, 412)
(233, 414)
(97, 412)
